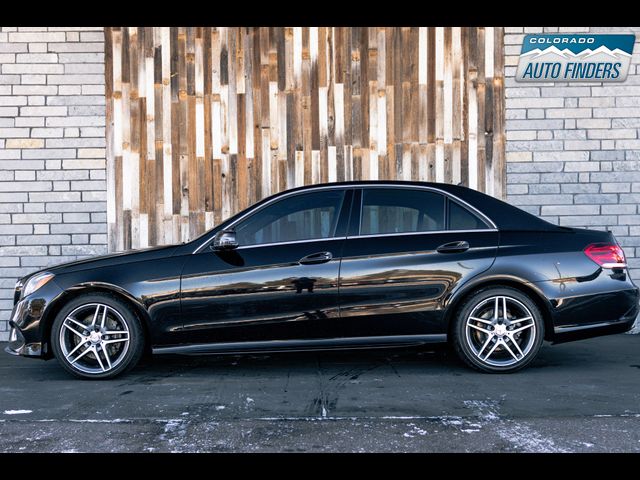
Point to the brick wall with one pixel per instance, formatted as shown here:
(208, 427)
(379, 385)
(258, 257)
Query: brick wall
(573, 150)
(52, 151)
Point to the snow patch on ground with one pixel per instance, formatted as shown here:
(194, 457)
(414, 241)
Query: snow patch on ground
(521, 436)
(415, 430)
(527, 439)
(99, 420)
(175, 430)
(631, 415)
(172, 425)
(447, 421)
(485, 409)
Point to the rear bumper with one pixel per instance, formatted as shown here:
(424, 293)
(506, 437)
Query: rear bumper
(569, 333)
(578, 314)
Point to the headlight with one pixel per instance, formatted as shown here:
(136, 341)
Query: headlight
(35, 282)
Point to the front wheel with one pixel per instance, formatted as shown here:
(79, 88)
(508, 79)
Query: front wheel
(498, 330)
(97, 336)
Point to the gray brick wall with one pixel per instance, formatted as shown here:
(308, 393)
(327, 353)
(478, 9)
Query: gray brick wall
(52, 151)
(573, 150)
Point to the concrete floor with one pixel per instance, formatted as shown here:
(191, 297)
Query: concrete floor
(578, 397)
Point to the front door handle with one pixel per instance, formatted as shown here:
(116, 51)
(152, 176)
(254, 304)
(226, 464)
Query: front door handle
(453, 247)
(315, 258)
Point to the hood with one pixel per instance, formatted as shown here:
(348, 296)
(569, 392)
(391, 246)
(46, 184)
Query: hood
(113, 259)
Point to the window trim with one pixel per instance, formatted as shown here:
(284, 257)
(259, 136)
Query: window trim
(344, 215)
(428, 232)
(307, 240)
(355, 188)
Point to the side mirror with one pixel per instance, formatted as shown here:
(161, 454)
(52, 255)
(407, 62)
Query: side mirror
(225, 240)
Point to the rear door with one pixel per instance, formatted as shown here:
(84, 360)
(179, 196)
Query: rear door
(407, 249)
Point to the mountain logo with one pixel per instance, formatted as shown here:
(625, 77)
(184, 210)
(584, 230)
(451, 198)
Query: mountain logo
(575, 58)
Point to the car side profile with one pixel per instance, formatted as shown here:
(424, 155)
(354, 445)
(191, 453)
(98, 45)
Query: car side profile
(336, 266)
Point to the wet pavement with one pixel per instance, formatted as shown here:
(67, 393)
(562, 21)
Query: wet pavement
(577, 397)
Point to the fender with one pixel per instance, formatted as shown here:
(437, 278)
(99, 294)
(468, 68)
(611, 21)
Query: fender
(458, 294)
(482, 280)
(56, 304)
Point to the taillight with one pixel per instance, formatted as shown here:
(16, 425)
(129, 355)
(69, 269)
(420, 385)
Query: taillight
(607, 255)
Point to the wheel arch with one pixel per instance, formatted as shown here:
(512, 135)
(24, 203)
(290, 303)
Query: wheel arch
(82, 289)
(529, 289)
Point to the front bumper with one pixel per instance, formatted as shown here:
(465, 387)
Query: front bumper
(28, 335)
(19, 346)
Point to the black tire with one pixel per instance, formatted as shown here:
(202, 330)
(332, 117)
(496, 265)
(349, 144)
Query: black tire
(469, 341)
(118, 311)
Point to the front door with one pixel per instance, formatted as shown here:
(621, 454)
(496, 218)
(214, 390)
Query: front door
(406, 251)
(281, 283)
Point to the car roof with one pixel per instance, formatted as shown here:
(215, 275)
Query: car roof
(503, 215)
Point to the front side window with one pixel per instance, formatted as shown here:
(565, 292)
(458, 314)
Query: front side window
(304, 216)
(396, 210)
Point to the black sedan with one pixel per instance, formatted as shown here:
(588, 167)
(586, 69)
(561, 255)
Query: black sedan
(336, 266)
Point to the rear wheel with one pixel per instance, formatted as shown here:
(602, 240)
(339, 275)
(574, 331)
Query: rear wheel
(498, 330)
(97, 336)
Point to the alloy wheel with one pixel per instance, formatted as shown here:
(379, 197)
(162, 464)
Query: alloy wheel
(94, 338)
(500, 331)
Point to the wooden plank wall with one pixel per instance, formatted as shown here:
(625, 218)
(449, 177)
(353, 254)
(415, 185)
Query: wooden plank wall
(203, 122)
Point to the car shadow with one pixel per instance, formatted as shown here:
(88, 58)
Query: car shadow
(570, 358)
(578, 356)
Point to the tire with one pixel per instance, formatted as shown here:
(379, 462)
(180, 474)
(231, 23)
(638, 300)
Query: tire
(502, 344)
(97, 336)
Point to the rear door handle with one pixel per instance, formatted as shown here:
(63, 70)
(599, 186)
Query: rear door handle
(453, 247)
(315, 258)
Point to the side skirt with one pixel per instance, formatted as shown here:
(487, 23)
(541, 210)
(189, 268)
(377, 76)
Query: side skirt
(301, 345)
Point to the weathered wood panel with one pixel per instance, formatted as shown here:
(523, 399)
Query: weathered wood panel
(204, 121)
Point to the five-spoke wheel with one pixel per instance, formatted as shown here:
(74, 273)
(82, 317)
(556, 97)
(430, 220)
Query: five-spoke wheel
(498, 329)
(96, 336)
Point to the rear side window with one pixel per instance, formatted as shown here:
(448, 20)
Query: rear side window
(395, 210)
(462, 219)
